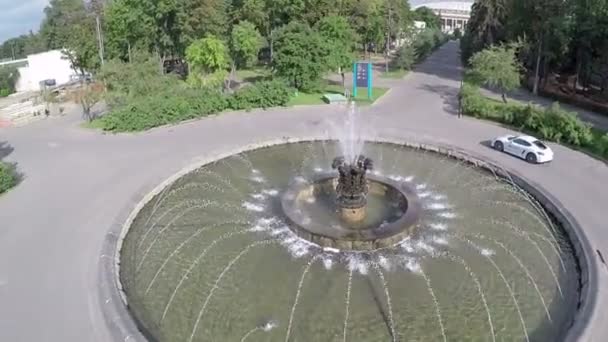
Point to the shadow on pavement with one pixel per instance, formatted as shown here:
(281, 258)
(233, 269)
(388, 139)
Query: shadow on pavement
(5, 150)
(486, 143)
(448, 94)
(443, 63)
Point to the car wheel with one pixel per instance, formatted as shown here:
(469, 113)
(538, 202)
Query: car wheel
(499, 146)
(531, 158)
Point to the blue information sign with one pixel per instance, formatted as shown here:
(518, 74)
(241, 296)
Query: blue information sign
(362, 78)
(362, 75)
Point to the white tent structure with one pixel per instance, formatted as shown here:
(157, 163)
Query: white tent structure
(50, 65)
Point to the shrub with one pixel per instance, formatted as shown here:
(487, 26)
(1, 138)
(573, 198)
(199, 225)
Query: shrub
(8, 176)
(188, 103)
(158, 110)
(263, 94)
(405, 58)
(553, 123)
(602, 145)
(8, 79)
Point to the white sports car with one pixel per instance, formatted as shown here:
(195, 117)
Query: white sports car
(525, 147)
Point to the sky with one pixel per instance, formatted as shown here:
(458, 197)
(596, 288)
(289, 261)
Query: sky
(18, 17)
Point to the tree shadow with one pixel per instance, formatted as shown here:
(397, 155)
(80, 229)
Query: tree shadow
(443, 63)
(448, 94)
(5, 150)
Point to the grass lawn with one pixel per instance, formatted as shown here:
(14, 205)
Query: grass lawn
(397, 74)
(317, 98)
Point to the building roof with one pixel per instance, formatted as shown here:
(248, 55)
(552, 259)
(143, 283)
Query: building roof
(447, 5)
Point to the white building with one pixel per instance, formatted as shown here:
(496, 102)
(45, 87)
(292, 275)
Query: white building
(50, 65)
(453, 14)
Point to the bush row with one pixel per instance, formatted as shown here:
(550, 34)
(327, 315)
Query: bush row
(420, 48)
(552, 123)
(8, 176)
(155, 110)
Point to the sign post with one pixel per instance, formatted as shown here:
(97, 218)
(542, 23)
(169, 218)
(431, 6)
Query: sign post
(362, 78)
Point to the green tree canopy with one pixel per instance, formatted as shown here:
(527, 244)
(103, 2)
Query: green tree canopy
(245, 43)
(427, 15)
(300, 56)
(341, 40)
(497, 67)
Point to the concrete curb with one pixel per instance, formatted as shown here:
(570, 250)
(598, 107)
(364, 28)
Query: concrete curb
(124, 327)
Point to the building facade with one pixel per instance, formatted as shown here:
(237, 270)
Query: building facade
(454, 15)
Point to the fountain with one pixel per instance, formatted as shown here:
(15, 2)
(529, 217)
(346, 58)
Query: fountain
(351, 241)
(352, 187)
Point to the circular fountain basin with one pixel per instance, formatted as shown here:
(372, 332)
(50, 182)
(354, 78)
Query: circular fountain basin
(392, 212)
(216, 257)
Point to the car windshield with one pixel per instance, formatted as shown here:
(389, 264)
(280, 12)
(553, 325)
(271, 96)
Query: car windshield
(540, 145)
(510, 138)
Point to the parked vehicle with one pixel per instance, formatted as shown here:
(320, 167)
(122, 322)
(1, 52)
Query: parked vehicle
(525, 147)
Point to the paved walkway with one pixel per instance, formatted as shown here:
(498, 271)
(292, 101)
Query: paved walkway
(79, 182)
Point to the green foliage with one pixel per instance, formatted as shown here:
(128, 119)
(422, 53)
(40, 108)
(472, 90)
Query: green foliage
(341, 39)
(8, 78)
(300, 56)
(127, 82)
(69, 26)
(405, 59)
(207, 55)
(496, 67)
(552, 123)
(264, 94)
(485, 27)
(8, 176)
(245, 43)
(429, 17)
(161, 109)
(178, 104)
(426, 42)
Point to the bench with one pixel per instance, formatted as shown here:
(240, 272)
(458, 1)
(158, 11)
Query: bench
(334, 98)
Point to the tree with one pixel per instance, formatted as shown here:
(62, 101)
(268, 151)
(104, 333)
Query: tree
(68, 26)
(341, 40)
(87, 95)
(208, 59)
(427, 15)
(497, 67)
(128, 27)
(485, 27)
(269, 15)
(405, 58)
(8, 79)
(300, 56)
(201, 18)
(245, 43)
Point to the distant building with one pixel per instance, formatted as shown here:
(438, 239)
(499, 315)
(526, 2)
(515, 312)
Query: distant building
(50, 65)
(453, 14)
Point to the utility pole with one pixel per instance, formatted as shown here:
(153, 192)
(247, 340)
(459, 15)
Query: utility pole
(99, 37)
(388, 38)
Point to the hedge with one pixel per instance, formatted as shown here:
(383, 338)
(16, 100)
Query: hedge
(160, 109)
(552, 123)
(8, 176)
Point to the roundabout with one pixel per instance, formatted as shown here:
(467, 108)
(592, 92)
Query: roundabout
(120, 170)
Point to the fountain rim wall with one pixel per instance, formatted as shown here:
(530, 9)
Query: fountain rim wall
(123, 325)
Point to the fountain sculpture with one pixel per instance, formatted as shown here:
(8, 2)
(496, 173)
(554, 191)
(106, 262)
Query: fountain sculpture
(352, 187)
